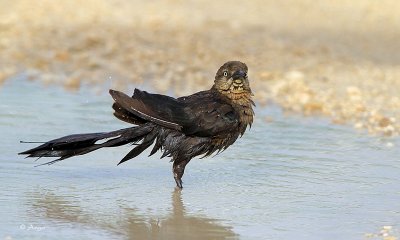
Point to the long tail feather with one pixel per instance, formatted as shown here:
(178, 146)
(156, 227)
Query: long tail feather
(79, 144)
(147, 141)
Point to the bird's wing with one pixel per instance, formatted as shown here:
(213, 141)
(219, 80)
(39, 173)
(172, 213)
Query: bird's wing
(197, 115)
(209, 115)
(210, 118)
(159, 109)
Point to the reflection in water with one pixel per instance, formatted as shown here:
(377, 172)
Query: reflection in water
(307, 180)
(176, 225)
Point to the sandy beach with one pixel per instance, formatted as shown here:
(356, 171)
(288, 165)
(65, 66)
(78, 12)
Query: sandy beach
(337, 59)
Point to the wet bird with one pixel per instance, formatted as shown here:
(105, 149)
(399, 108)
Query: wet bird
(182, 128)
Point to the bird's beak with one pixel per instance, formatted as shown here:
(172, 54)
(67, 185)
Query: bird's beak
(239, 75)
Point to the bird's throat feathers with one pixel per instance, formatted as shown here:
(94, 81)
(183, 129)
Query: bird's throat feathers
(242, 98)
(243, 104)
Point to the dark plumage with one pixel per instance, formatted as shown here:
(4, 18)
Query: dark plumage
(182, 128)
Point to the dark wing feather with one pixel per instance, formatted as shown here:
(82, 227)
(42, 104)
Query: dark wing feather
(202, 114)
(148, 110)
(210, 119)
(126, 116)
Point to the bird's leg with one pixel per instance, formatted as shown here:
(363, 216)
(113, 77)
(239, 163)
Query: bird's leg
(178, 169)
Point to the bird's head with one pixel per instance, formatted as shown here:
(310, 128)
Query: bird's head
(231, 79)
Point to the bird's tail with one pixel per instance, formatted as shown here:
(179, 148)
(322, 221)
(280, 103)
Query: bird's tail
(79, 144)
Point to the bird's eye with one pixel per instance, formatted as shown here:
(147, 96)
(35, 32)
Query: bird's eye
(225, 73)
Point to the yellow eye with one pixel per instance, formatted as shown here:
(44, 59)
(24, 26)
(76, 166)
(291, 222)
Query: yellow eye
(225, 73)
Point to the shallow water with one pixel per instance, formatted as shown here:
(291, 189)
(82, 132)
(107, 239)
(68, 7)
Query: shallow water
(291, 178)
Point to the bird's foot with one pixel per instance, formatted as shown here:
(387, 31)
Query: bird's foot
(178, 182)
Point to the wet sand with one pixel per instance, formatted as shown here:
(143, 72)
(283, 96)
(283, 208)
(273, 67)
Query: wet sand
(336, 59)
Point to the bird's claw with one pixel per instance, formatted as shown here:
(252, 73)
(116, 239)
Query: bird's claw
(178, 183)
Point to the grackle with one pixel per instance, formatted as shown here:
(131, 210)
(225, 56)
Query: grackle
(182, 128)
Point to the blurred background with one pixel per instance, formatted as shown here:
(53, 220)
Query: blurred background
(336, 58)
(332, 174)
